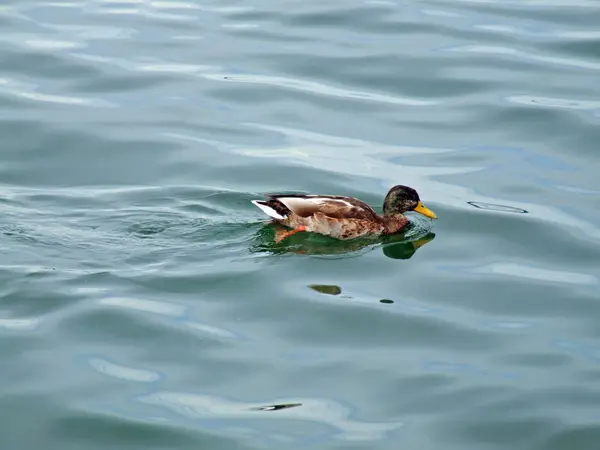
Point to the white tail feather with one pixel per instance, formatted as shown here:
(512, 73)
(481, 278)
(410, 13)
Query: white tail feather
(268, 210)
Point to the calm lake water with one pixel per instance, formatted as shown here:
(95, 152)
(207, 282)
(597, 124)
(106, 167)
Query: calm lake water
(144, 304)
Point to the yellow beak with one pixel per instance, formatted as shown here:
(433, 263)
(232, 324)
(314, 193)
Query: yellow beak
(422, 209)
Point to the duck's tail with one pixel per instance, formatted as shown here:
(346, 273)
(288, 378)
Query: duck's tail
(267, 209)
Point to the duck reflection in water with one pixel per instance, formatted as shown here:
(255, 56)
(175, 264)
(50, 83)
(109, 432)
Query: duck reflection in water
(399, 246)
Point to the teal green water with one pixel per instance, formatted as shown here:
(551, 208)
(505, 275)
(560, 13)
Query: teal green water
(144, 304)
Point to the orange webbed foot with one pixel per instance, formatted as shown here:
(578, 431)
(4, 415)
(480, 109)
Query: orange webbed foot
(281, 235)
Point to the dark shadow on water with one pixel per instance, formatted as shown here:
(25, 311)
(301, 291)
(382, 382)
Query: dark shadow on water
(329, 289)
(332, 289)
(275, 407)
(400, 246)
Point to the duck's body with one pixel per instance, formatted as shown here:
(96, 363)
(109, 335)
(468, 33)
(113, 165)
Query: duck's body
(331, 215)
(342, 217)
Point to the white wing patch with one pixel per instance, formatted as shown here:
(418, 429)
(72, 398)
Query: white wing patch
(268, 210)
(294, 203)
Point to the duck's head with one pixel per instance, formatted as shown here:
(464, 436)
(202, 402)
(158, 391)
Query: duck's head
(401, 199)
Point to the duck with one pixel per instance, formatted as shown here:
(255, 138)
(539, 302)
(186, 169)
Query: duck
(342, 217)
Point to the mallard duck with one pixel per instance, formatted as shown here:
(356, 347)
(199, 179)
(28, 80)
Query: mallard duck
(342, 217)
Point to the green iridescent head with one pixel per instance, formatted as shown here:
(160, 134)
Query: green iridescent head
(401, 199)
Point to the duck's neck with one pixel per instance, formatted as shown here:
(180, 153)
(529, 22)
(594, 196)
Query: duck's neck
(394, 222)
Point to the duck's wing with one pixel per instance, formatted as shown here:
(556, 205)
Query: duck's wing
(333, 206)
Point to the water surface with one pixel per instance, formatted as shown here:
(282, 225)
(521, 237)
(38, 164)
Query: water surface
(144, 303)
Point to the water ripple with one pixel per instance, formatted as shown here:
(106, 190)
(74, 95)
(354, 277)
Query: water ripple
(538, 273)
(555, 102)
(319, 88)
(30, 91)
(20, 324)
(323, 411)
(497, 50)
(122, 372)
(155, 307)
